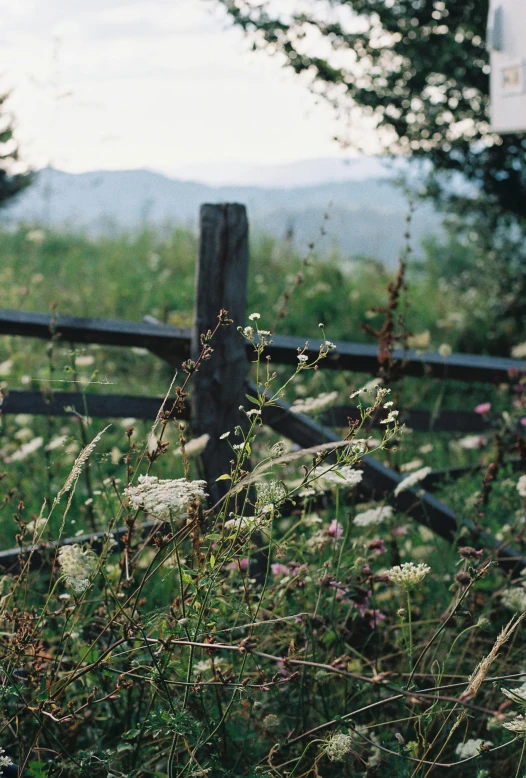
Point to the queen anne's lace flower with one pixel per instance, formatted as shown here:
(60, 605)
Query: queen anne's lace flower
(164, 498)
(518, 725)
(408, 575)
(339, 747)
(343, 476)
(78, 566)
(412, 479)
(471, 747)
(313, 404)
(517, 695)
(373, 516)
(514, 598)
(4, 761)
(270, 495)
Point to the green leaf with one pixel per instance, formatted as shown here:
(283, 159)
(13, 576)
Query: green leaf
(224, 477)
(252, 399)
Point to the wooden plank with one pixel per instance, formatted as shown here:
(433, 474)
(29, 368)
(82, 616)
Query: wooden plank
(218, 386)
(114, 406)
(43, 553)
(175, 342)
(362, 358)
(418, 420)
(379, 483)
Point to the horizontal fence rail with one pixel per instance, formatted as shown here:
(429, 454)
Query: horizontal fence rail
(111, 406)
(175, 343)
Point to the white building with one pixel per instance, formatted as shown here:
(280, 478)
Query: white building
(507, 45)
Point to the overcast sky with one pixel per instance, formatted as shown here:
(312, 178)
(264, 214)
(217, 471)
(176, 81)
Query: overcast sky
(159, 84)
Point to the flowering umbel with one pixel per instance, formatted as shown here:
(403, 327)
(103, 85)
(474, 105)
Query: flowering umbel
(164, 498)
(4, 761)
(408, 575)
(78, 566)
(339, 747)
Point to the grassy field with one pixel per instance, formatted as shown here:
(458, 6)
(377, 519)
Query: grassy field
(106, 668)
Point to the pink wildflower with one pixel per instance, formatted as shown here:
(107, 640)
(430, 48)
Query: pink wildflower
(335, 529)
(279, 569)
(483, 408)
(523, 421)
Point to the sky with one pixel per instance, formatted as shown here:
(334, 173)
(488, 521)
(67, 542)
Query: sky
(167, 85)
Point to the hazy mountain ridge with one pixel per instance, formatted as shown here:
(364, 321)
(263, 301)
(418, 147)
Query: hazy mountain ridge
(367, 217)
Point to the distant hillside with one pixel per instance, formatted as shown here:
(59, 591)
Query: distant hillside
(367, 217)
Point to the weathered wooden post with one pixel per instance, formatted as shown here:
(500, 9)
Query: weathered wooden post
(218, 387)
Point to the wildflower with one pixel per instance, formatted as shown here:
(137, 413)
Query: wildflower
(243, 523)
(391, 417)
(271, 722)
(514, 598)
(521, 486)
(412, 479)
(85, 361)
(414, 464)
(27, 449)
(278, 569)
(254, 316)
(421, 340)
(519, 351)
(471, 747)
(164, 498)
(278, 449)
(343, 476)
(224, 435)
(339, 747)
(248, 332)
(517, 695)
(373, 516)
(57, 442)
(78, 566)
(270, 495)
(303, 358)
(470, 442)
(4, 761)
(445, 350)
(254, 412)
(518, 725)
(482, 408)
(313, 404)
(408, 575)
(194, 447)
(335, 529)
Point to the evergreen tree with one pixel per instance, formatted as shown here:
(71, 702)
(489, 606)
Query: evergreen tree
(10, 183)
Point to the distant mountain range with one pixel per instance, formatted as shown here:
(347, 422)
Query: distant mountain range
(367, 216)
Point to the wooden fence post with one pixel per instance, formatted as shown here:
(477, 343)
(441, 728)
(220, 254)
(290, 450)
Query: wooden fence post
(218, 387)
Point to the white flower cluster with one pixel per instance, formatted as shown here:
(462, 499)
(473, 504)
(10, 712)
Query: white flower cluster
(4, 761)
(471, 747)
(412, 479)
(164, 498)
(519, 351)
(521, 486)
(518, 725)
(314, 404)
(408, 575)
(78, 566)
(194, 447)
(344, 476)
(373, 516)
(339, 747)
(514, 598)
(244, 523)
(269, 496)
(517, 695)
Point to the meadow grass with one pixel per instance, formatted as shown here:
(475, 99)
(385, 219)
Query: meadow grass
(348, 640)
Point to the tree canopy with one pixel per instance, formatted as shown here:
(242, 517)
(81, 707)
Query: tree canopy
(11, 183)
(418, 68)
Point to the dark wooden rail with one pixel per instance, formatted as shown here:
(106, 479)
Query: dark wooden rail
(175, 343)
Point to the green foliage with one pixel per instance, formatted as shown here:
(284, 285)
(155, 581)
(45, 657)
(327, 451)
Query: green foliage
(11, 183)
(419, 69)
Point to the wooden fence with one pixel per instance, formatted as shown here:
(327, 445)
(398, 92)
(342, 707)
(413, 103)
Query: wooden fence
(221, 384)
